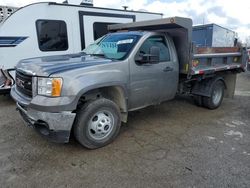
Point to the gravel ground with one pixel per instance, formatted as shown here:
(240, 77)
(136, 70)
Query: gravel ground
(176, 144)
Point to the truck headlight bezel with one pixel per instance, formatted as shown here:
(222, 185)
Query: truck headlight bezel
(49, 86)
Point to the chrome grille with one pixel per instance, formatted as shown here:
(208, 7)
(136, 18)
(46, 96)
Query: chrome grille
(24, 83)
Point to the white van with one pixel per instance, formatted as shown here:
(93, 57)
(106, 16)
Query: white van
(49, 28)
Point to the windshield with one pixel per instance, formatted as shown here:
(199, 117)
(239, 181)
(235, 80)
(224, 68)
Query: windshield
(113, 46)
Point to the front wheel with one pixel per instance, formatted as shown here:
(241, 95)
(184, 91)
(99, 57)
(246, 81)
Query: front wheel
(97, 123)
(217, 94)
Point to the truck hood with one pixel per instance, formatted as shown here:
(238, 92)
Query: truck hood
(45, 66)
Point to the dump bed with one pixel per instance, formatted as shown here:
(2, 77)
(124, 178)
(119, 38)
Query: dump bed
(192, 60)
(211, 60)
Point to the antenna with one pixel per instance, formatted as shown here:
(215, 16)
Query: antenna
(125, 7)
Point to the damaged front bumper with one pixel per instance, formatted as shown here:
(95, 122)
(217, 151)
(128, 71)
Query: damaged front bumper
(56, 126)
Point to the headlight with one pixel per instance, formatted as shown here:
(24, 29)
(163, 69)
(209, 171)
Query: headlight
(49, 86)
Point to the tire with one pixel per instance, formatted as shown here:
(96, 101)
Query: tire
(97, 123)
(217, 94)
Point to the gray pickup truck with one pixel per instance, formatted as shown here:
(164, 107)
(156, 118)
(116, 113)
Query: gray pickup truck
(135, 65)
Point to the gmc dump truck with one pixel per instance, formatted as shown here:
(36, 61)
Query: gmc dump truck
(136, 65)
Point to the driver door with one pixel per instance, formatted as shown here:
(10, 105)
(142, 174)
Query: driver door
(152, 83)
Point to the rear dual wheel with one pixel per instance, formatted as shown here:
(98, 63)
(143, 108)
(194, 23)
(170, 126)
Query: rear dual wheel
(215, 99)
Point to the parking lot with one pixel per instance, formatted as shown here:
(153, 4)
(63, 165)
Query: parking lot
(176, 144)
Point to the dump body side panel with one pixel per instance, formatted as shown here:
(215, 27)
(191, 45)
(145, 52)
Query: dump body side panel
(212, 60)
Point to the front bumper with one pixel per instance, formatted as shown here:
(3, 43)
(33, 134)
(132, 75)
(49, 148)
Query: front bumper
(56, 126)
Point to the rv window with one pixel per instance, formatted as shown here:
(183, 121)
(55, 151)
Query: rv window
(52, 35)
(100, 29)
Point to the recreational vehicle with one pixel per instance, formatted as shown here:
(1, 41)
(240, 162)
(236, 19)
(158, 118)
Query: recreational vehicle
(49, 28)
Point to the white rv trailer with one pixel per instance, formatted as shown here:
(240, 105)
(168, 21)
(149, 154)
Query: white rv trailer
(49, 28)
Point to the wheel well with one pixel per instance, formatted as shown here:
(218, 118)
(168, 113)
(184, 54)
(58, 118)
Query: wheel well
(203, 87)
(113, 93)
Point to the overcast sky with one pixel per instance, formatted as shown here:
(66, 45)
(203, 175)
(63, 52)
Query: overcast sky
(233, 14)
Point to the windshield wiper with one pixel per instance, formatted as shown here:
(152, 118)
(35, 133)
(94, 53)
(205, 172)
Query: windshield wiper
(82, 53)
(102, 55)
(99, 55)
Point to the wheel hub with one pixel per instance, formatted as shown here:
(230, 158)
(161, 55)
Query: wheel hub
(217, 94)
(101, 125)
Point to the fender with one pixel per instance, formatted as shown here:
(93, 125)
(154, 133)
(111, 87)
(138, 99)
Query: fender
(99, 86)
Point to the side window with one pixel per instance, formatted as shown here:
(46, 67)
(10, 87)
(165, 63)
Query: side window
(158, 41)
(100, 29)
(52, 35)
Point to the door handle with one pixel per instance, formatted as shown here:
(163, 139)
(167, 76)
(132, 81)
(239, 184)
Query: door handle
(168, 69)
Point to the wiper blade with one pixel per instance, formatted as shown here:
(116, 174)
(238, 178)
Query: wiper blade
(99, 55)
(82, 53)
(102, 55)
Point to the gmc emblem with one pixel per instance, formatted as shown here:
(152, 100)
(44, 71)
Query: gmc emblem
(20, 82)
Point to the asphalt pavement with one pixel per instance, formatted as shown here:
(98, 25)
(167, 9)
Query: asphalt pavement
(175, 144)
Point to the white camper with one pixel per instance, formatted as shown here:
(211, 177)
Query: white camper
(48, 28)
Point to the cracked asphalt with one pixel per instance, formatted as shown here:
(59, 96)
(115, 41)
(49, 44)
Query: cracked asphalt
(176, 144)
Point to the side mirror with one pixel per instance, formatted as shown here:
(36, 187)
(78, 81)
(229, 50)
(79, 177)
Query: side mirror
(153, 57)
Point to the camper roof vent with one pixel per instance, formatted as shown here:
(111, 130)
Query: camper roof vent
(87, 3)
